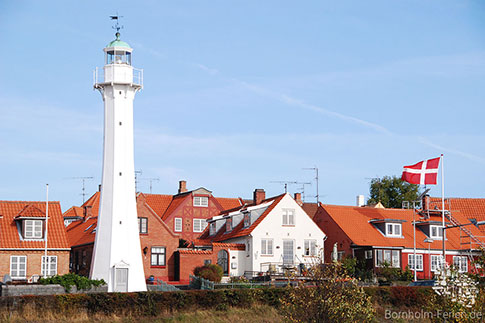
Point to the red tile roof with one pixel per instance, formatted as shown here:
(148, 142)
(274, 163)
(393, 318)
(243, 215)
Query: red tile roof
(9, 235)
(74, 211)
(195, 251)
(471, 208)
(229, 203)
(310, 209)
(158, 202)
(354, 221)
(234, 246)
(80, 233)
(93, 202)
(30, 211)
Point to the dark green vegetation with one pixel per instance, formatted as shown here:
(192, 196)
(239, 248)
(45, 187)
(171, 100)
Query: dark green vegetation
(211, 272)
(391, 191)
(69, 280)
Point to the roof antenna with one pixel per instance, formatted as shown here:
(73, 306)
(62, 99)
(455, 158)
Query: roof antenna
(316, 180)
(117, 26)
(83, 178)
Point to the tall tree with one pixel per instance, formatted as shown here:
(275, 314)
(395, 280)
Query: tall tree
(391, 191)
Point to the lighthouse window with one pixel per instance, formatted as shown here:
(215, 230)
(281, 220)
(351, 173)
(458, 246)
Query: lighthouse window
(118, 57)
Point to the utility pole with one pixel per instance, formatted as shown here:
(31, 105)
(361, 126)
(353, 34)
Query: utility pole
(316, 179)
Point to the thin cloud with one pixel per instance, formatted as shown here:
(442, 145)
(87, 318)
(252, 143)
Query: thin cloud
(466, 155)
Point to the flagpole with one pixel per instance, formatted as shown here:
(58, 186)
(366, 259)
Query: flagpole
(443, 236)
(46, 227)
(414, 236)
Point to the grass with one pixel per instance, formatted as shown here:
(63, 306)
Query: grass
(256, 313)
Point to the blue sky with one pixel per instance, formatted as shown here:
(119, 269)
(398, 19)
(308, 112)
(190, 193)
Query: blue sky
(242, 93)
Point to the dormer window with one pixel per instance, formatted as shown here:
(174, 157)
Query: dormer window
(212, 228)
(393, 229)
(33, 229)
(202, 201)
(247, 220)
(435, 232)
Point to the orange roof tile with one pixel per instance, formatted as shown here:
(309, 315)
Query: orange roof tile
(93, 202)
(229, 203)
(471, 208)
(195, 251)
(74, 211)
(80, 233)
(176, 201)
(310, 209)
(9, 235)
(354, 221)
(234, 246)
(158, 202)
(30, 211)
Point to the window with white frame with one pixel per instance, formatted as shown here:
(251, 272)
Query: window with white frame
(368, 254)
(247, 219)
(49, 268)
(18, 267)
(288, 217)
(143, 225)
(158, 256)
(228, 224)
(419, 262)
(199, 225)
(460, 263)
(202, 201)
(389, 257)
(177, 224)
(436, 262)
(393, 229)
(310, 248)
(435, 232)
(33, 229)
(267, 247)
(212, 228)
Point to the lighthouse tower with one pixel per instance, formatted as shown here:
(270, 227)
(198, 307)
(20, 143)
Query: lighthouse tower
(117, 254)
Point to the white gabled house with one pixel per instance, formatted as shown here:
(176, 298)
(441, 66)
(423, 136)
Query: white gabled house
(277, 235)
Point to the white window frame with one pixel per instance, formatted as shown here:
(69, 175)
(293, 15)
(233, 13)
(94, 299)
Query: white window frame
(142, 224)
(368, 254)
(391, 229)
(201, 201)
(419, 257)
(160, 256)
(439, 229)
(177, 224)
(310, 247)
(289, 217)
(389, 256)
(266, 247)
(36, 231)
(247, 219)
(461, 263)
(51, 266)
(435, 262)
(200, 226)
(15, 272)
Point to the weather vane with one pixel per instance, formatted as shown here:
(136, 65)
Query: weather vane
(117, 26)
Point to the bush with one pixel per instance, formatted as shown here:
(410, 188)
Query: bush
(71, 279)
(211, 272)
(334, 297)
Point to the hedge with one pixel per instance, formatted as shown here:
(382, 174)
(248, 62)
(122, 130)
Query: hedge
(154, 303)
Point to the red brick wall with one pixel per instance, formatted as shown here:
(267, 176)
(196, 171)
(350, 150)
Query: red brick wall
(334, 234)
(188, 261)
(188, 213)
(34, 259)
(159, 235)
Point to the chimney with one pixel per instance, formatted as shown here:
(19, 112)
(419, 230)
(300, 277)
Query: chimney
(88, 212)
(360, 200)
(425, 202)
(298, 199)
(99, 188)
(182, 186)
(259, 195)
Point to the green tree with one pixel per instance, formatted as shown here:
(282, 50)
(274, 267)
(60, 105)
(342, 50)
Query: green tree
(391, 191)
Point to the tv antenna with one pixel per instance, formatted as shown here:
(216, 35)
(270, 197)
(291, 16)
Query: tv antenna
(316, 179)
(285, 183)
(151, 180)
(302, 188)
(117, 25)
(137, 172)
(83, 178)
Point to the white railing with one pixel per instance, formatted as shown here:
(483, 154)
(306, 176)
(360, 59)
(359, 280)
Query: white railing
(99, 76)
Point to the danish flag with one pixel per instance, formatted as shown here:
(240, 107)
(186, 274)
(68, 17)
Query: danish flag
(425, 172)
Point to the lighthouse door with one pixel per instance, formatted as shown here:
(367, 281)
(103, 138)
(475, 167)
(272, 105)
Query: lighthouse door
(121, 280)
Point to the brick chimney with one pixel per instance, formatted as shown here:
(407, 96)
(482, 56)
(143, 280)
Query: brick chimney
(298, 199)
(425, 202)
(259, 195)
(182, 186)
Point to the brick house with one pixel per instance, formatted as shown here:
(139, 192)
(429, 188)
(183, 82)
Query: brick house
(163, 221)
(23, 238)
(378, 235)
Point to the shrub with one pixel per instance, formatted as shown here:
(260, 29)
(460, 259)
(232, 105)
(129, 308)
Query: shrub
(211, 272)
(71, 279)
(334, 297)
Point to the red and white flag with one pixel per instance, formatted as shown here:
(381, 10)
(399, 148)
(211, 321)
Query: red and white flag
(425, 172)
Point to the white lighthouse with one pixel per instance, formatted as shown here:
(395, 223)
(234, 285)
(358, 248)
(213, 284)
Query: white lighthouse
(117, 254)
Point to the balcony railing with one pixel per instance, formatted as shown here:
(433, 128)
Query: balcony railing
(102, 77)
